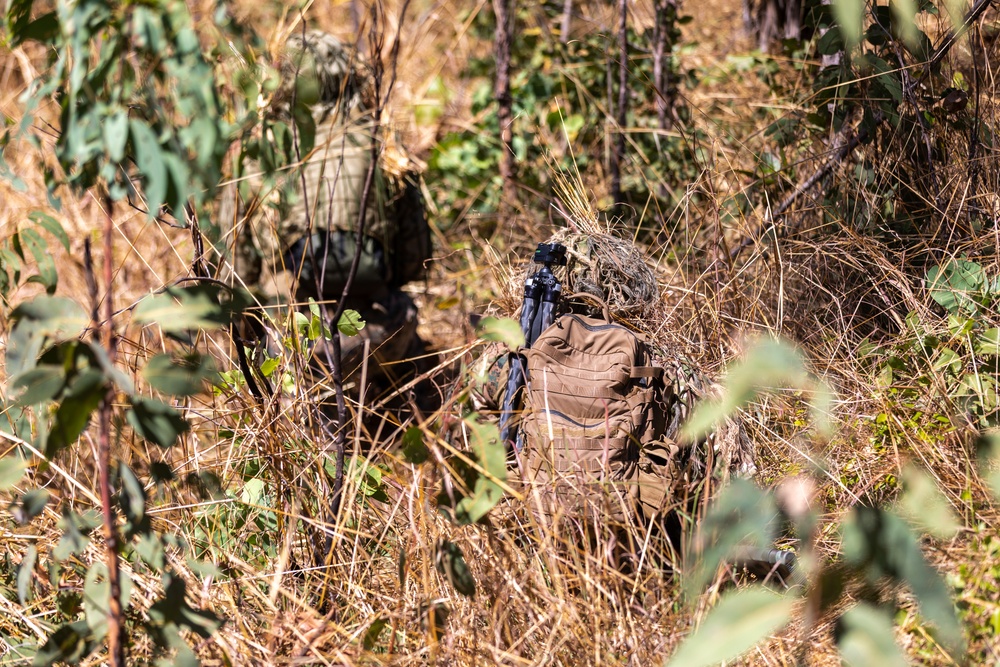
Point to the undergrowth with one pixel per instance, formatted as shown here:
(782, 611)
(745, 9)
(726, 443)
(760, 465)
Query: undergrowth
(885, 275)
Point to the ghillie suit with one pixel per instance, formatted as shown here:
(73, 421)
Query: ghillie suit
(297, 237)
(599, 428)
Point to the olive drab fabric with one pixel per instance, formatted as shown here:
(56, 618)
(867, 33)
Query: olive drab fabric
(595, 414)
(308, 227)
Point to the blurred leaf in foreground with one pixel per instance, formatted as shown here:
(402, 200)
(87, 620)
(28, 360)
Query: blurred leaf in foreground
(925, 506)
(770, 364)
(502, 329)
(865, 639)
(739, 621)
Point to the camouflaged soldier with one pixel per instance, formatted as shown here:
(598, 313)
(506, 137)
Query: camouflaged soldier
(299, 240)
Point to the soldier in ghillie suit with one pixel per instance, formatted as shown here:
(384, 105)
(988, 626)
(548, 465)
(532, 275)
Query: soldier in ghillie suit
(299, 239)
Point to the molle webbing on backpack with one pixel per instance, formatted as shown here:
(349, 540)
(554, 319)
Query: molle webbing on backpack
(591, 395)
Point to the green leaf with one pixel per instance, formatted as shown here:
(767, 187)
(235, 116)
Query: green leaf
(173, 608)
(97, 593)
(53, 316)
(988, 343)
(48, 276)
(24, 571)
(132, 497)
(451, 563)
(741, 620)
(82, 397)
(742, 515)
(253, 492)
(770, 364)
(502, 329)
(12, 470)
(269, 366)
(925, 506)
(69, 643)
(865, 639)
(155, 421)
(31, 505)
(956, 12)
(150, 550)
(414, 449)
(850, 16)
(75, 528)
(989, 461)
(879, 544)
(904, 15)
(52, 226)
(350, 323)
(486, 492)
(196, 307)
(115, 128)
(152, 167)
(370, 640)
(37, 385)
(956, 285)
(179, 376)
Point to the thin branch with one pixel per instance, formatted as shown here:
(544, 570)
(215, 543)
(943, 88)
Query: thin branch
(116, 645)
(501, 90)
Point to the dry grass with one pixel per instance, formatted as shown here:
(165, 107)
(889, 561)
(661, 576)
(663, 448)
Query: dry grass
(544, 595)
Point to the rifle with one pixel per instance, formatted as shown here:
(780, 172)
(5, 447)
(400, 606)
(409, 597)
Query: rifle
(541, 293)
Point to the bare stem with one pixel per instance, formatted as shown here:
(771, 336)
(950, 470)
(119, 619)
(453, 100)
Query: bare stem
(116, 645)
(502, 93)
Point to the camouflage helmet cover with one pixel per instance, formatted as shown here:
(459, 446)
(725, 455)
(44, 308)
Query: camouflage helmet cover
(318, 69)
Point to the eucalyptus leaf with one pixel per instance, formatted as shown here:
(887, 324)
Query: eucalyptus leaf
(48, 276)
(178, 309)
(482, 490)
(174, 608)
(40, 384)
(155, 421)
(850, 16)
(115, 129)
(179, 375)
(879, 544)
(52, 226)
(742, 515)
(68, 643)
(31, 505)
(75, 530)
(739, 621)
(12, 470)
(55, 316)
(25, 570)
(85, 393)
(132, 497)
(152, 167)
(770, 364)
(865, 639)
(925, 506)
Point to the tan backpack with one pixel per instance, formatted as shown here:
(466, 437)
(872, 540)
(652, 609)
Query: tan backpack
(595, 412)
